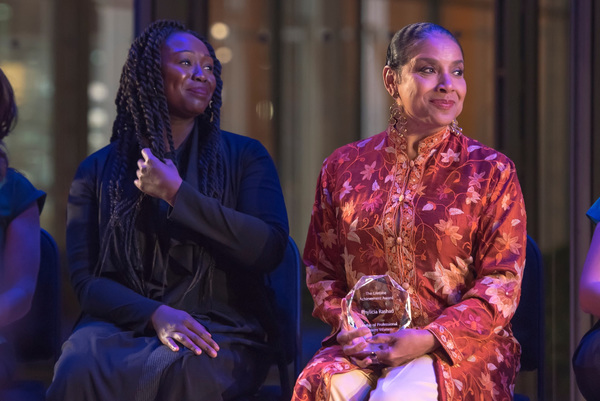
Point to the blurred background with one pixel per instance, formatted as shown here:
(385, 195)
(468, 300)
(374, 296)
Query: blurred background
(304, 77)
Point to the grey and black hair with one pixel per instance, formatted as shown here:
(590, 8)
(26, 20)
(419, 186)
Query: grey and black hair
(400, 49)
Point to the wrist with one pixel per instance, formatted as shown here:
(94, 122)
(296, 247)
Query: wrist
(430, 342)
(173, 196)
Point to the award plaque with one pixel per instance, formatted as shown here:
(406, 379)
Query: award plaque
(382, 304)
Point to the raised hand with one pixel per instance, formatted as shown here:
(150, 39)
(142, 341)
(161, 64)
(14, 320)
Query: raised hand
(157, 179)
(174, 326)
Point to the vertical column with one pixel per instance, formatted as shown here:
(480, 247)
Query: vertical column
(71, 48)
(318, 88)
(517, 94)
(582, 131)
(193, 13)
(374, 37)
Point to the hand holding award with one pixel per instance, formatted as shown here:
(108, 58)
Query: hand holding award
(382, 304)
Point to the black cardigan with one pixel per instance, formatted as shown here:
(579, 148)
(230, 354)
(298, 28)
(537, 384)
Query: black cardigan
(246, 235)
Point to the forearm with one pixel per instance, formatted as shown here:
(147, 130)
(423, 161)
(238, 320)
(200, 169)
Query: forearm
(15, 303)
(20, 265)
(589, 298)
(109, 300)
(252, 241)
(420, 342)
(327, 291)
(429, 342)
(589, 285)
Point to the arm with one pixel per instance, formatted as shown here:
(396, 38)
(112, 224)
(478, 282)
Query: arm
(110, 300)
(499, 259)
(589, 283)
(21, 263)
(99, 296)
(254, 233)
(325, 272)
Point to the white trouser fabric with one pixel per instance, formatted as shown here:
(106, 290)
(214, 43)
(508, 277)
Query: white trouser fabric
(413, 381)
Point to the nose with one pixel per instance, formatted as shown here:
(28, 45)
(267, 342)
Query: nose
(198, 74)
(445, 83)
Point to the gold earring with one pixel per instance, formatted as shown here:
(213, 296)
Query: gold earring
(454, 128)
(397, 120)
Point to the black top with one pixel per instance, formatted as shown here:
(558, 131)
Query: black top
(246, 234)
(16, 195)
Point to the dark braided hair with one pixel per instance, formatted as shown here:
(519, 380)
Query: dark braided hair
(401, 46)
(142, 120)
(8, 118)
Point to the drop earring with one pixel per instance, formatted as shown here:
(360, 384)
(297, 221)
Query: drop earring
(397, 120)
(454, 128)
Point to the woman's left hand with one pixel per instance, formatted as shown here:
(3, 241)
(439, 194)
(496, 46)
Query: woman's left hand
(403, 346)
(157, 179)
(173, 325)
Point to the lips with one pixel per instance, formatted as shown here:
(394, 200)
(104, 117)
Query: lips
(198, 91)
(443, 103)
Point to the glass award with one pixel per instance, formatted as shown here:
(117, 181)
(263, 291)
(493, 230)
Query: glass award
(382, 304)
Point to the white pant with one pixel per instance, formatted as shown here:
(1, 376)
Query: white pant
(413, 381)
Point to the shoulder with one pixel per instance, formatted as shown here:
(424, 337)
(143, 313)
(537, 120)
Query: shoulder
(350, 151)
(482, 163)
(239, 142)
(100, 155)
(17, 182)
(15, 178)
(477, 152)
(96, 161)
(242, 148)
(594, 212)
(17, 193)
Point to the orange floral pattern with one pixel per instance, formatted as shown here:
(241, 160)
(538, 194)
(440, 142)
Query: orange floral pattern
(451, 224)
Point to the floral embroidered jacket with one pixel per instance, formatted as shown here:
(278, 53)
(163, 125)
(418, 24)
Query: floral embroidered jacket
(450, 223)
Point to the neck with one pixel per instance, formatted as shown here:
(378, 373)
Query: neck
(180, 129)
(414, 139)
(412, 143)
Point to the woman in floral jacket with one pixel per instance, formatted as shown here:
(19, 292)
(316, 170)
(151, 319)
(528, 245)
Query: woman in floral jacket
(441, 214)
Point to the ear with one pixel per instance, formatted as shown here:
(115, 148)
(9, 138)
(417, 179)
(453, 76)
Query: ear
(389, 80)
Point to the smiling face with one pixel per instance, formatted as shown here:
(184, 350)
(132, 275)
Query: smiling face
(431, 85)
(187, 71)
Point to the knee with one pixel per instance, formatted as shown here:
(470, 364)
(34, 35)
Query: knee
(72, 373)
(415, 380)
(587, 355)
(353, 385)
(7, 364)
(74, 367)
(378, 395)
(407, 393)
(586, 366)
(587, 381)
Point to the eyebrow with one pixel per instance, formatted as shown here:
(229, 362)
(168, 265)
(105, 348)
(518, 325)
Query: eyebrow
(435, 61)
(176, 51)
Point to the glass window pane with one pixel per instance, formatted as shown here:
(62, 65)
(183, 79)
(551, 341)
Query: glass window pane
(111, 40)
(25, 57)
(240, 33)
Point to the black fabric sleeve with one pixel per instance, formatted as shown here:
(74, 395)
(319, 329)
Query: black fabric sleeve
(98, 296)
(22, 193)
(254, 234)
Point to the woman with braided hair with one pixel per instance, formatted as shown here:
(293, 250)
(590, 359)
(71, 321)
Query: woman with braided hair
(170, 230)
